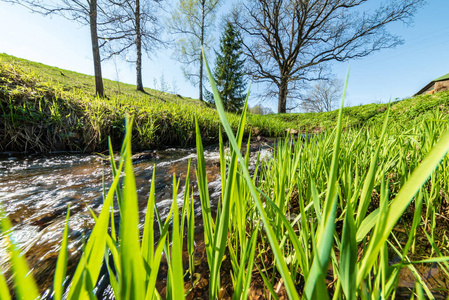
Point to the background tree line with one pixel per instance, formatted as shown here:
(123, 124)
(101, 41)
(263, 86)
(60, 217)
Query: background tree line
(286, 45)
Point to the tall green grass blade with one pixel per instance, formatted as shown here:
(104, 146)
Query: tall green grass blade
(222, 162)
(115, 254)
(221, 231)
(89, 287)
(4, 291)
(315, 286)
(289, 285)
(148, 230)
(419, 291)
(115, 172)
(113, 230)
(377, 239)
(369, 181)
(416, 222)
(368, 223)
(133, 271)
(176, 249)
(185, 202)
(250, 259)
(156, 260)
(94, 250)
(208, 223)
(112, 277)
(61, 264)
(24, 283)
(191, 237)
(348, 255)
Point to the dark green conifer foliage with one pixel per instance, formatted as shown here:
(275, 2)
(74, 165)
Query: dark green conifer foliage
(229, 70)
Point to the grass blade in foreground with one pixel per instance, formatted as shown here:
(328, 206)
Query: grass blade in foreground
(61, 265)
(348, 255)
(176, 249)
(148, 230)
(208, 223)
(403, 199)
(133, 271)
(4, 291)
(94, 250)
(315, 284)
(283, 269)
(25, 285)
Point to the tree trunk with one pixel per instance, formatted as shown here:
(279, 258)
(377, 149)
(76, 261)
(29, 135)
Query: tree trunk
(282, 101)
(201, 54)
(138, 48)
(99, 90)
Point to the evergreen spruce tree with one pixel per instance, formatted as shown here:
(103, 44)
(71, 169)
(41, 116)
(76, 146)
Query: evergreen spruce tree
(229, 70)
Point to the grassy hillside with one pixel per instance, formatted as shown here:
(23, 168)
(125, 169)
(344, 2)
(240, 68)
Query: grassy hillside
(402, 113)
(45, 108)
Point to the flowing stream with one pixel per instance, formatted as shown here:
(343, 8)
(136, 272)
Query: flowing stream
(35, 192)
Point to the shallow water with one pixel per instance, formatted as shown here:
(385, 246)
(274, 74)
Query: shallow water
(35, 192)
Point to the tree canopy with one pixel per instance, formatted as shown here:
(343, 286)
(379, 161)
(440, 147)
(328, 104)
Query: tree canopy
(289, 42)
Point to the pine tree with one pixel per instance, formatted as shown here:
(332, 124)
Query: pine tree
(229, 70)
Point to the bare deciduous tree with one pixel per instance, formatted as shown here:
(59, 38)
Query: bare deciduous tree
(260, 110)
(131, 26)
(192, 20)
(289, 41)
(82, 11)
(323, 96)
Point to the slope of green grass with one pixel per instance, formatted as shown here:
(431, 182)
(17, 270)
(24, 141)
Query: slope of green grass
(44, 109)
(402, 113)
(71, 81)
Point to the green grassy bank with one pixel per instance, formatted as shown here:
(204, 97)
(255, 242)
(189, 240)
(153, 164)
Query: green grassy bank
(403, 112)
(45, 109)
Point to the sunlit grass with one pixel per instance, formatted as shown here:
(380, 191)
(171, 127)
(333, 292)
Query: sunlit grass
(315, 219)
(59, 108)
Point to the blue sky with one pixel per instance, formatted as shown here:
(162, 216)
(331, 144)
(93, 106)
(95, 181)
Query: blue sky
(389, 74)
